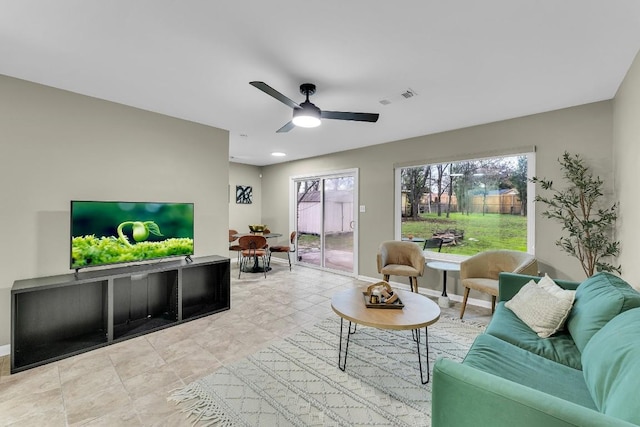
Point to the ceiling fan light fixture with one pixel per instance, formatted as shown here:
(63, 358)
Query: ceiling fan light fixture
(307, 116)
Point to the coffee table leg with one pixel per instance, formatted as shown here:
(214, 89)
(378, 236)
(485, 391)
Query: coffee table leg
(342, 364)
(426, 336)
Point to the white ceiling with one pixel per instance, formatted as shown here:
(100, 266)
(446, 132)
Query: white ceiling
(469, 61)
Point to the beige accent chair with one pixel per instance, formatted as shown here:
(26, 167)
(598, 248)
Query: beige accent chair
(401, 259)
(480, 272)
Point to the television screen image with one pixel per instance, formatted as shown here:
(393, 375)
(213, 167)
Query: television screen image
(117, 232)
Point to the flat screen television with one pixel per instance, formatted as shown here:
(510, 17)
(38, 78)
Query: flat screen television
(107, 232)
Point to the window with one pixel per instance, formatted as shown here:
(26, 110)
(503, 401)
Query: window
(472, 205)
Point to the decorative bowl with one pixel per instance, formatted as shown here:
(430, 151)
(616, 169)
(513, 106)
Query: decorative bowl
(257, 228)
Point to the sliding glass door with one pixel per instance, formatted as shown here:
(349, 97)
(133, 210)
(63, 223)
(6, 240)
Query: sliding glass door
(326, 221)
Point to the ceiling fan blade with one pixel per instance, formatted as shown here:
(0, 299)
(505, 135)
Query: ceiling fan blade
(342, 115)
(274, 93)
(286, 128)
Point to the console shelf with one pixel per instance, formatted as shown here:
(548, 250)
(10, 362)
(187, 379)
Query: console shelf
(59, 316)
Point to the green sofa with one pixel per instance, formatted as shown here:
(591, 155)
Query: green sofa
(585, 375)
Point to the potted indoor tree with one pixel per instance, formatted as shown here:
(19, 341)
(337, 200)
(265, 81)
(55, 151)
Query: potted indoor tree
(580, 209)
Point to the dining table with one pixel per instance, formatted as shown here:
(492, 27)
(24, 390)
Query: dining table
(256, 267)
(266, 235)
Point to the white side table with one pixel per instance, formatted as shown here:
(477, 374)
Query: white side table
(443, 300)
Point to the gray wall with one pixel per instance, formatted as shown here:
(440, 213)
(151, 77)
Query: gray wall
(241, 215)
(57, 146)
(626, 149)
(586, 130)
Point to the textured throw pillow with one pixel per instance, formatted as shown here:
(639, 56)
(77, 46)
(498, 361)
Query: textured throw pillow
(552, 287)
(543, 306)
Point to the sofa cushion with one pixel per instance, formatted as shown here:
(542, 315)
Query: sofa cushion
(497, 357)
(543, 306)
(611, 363)
(558, 348)
(599, 299)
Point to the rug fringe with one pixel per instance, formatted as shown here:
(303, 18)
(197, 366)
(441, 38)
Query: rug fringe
(203, 408)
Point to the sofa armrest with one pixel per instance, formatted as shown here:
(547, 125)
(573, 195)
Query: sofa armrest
(510, 283)
(465, 396)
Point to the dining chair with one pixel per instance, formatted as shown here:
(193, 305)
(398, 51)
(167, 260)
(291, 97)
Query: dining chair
(288, 249)
(234, 247)
(253, 248)
(264, 233)
(433, 243)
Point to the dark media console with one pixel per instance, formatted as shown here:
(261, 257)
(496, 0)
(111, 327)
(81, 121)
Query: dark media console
(59, 316)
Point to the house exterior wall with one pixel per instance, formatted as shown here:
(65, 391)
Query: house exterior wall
(338, 210)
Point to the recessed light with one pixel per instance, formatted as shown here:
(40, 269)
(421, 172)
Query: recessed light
(278, 154)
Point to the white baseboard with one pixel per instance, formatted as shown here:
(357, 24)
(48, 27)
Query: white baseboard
(5, 350)
(431, 292)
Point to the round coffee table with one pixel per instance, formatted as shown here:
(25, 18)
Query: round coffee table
(418, 312)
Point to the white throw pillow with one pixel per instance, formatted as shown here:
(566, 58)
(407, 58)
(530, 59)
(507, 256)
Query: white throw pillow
(543, 306)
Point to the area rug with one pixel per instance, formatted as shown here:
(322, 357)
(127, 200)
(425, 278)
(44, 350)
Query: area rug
(297, 382)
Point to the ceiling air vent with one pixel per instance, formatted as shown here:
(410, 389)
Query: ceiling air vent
(409, 93)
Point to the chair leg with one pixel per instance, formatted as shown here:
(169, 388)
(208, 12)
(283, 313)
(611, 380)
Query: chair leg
(265, 265)
(289, 259)
(493, 303)
(413, 282)
(239, 267)
(464, 301)
(386, 278)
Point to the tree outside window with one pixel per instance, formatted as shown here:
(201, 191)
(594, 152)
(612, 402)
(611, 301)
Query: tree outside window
(474, 205)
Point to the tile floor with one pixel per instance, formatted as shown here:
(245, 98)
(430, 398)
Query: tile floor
(127, 384)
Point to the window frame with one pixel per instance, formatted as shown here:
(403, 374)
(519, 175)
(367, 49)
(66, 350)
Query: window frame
(531, 166)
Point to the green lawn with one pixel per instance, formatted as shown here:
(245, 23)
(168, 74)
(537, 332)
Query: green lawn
(481, 232)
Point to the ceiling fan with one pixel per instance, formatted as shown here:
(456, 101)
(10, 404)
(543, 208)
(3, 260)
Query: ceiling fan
(307, 114)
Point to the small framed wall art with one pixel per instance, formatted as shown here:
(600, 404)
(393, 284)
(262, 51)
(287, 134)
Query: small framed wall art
(244, 194)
